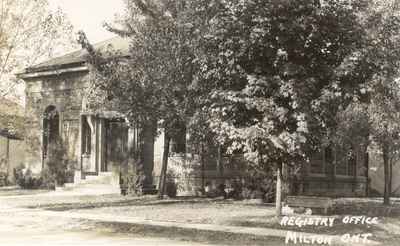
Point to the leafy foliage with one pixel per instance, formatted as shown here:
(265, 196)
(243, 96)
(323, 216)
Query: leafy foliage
(29, 33)
(271, 79)
(276, 73)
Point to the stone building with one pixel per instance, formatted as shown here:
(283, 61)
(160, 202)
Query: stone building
(335, 171)
(101, 146)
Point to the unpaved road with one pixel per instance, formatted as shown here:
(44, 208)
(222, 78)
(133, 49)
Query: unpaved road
(23, 227)
(19, 229)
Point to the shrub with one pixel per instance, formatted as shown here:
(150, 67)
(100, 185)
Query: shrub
(57, 167)
(48, 179)
(25, 179)
(171, 189)
(3, 179)
(235, 189)
(132, 182)
(254, 187)
(19, 175)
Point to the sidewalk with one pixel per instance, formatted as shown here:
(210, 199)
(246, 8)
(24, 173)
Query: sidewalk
(226, 221)
(253, 231)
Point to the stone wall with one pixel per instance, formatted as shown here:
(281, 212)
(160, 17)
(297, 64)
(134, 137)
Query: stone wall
(190, 175)
(65, 92)
(340, 186)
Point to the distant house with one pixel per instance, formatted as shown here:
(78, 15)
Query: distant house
(12, 146)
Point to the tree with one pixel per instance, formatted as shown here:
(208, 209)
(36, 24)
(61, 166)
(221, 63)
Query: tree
(29, 33)
(150, 84)
(384, 107)
(383, 88)
(278, 72)
(372, 118)
(268, 77)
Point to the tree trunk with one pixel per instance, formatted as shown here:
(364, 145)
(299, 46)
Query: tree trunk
(278, 196)
(386, 194)
(366, 165)
(285, 182)
(163, 175)
(202, 169)
(220, 163)
(390, 177)
(8, 159)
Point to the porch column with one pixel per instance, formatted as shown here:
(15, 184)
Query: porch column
(93, 155)
(79, 152)
(101, 145)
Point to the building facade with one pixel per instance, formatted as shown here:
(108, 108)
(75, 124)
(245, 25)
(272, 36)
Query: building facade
(103, 145)
(99, 146)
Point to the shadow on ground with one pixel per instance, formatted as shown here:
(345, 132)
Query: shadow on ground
(135, 201)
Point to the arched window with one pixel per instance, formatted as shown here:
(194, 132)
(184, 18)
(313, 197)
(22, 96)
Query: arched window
(51, 128)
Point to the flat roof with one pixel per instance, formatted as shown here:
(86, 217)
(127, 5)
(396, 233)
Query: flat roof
(77, 58)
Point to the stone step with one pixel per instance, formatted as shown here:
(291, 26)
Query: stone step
(69, 185)
(99, 179)
(105, 173)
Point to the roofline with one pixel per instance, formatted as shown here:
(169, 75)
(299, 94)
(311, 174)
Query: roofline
(52, 72)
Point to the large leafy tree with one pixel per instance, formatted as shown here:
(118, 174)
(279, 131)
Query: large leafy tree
(384, 87)
(29, 33)
(268, 77)
(150, 84)
(274, 66)
(276, 73)
(377, 117)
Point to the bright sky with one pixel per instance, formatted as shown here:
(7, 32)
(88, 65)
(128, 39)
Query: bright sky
(89, 15)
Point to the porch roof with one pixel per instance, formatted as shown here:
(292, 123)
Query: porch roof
(106, 114)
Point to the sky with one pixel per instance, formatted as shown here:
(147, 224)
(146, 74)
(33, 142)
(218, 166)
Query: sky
(89, 15)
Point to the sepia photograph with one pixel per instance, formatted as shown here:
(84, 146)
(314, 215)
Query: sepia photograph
(199, 122)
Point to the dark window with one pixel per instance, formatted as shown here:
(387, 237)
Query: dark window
(86, 137)
(346, 161)
(178, 142)
(317, 163)
(352, 163)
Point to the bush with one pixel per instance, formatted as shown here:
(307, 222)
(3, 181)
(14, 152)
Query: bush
(48, 179)
(255, 187)
(19, 175)
(3, 179)
(132, 182)
(25, 179)
(60, 170)
(235, 189)
(171, 189)
(57, 168)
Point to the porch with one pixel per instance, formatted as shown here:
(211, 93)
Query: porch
(110, 147)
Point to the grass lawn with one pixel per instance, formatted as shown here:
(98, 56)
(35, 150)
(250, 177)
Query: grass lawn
(16, 191)
(217, 212)
(200, 236)
(231, 213)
